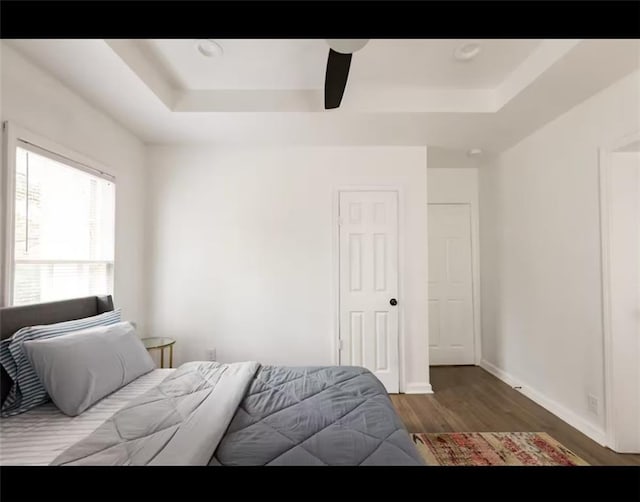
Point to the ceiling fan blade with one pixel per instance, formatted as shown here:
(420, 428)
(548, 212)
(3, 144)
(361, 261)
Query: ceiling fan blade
(335, 78)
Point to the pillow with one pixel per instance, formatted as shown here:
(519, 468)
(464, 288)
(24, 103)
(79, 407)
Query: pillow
(26, 391)
(81, 368)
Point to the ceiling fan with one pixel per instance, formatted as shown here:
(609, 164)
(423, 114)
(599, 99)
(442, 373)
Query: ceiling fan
(338, 63)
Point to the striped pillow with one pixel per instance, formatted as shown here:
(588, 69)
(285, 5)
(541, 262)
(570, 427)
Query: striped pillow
(27, 391)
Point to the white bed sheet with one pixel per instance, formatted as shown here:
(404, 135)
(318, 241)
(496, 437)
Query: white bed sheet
(40, 435)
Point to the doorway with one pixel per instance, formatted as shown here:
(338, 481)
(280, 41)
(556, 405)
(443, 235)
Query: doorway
(620, 225)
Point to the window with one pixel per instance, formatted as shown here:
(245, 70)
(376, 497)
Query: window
(64, 228)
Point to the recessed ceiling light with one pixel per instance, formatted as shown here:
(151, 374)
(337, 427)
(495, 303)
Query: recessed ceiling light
(466, 52)
(209, 48)
(474, 152)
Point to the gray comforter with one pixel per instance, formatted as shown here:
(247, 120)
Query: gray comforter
(244, 414)
(335, 415)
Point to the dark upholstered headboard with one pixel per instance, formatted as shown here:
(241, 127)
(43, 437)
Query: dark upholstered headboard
(14, 318)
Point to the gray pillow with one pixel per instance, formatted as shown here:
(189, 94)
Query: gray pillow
(82, 367)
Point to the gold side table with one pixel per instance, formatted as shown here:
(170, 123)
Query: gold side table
(160, 342)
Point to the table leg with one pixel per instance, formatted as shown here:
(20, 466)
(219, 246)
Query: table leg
(162, 357)
(171, 356)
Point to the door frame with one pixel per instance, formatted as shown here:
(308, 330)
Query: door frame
(335, 225)
(604, 179)
(475, 272)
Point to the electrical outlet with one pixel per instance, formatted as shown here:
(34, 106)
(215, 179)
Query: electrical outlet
(211, 354)
(592, 404)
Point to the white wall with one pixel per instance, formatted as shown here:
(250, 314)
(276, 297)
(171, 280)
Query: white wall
(447, 186)
(243, 248)
(33, 100)
(540, 256)
(456, 182)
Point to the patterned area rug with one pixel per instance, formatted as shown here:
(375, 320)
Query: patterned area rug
(493, 448)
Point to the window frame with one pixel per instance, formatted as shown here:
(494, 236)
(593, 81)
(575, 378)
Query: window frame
(15, 137)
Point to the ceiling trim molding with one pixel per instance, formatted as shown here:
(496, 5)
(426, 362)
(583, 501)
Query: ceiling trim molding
(361, 99)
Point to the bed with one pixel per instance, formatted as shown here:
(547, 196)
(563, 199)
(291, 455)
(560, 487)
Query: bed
(210, 414)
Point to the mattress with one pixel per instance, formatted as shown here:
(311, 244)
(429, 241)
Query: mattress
(40, 435)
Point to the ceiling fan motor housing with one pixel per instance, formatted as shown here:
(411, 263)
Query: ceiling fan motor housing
(347, 45)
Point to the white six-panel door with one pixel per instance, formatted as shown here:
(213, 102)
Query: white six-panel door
(451, 335)
(368, 282)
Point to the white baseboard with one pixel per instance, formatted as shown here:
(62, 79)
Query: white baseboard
(589, 430)
(418, 388)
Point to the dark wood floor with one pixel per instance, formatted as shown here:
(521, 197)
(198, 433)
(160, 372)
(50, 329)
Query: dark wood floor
(468, 399)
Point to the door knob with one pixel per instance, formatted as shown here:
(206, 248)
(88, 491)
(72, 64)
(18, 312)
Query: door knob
(393, 301)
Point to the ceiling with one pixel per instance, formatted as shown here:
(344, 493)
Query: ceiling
(400, 92)
(300, 64)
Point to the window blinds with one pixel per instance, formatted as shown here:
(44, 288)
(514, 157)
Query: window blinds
(63, 229)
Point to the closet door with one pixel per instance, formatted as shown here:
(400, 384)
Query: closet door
(451, 336)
